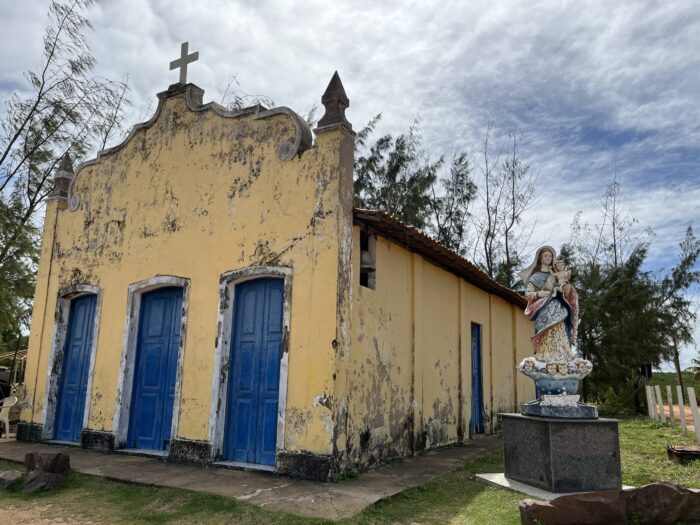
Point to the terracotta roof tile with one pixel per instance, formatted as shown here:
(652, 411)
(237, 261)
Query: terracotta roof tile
(416, 241)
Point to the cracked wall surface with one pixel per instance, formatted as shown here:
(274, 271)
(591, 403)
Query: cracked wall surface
(410, 366)
(195, 195)
(373, 374)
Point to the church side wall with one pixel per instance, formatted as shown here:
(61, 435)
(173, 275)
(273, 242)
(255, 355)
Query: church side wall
(438, 313)
(410, 366)
(381, 362)
(196, 195)
(502, 360)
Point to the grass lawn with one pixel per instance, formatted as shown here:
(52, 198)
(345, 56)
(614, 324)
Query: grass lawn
(454, 498)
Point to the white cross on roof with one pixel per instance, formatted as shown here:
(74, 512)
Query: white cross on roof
(183, 61)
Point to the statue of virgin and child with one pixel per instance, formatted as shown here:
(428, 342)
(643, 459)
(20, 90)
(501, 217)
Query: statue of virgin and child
(552, 303)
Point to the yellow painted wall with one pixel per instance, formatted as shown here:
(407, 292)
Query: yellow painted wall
(381, 358)
(410, 366)
(196, 195)
(438, 313)
(502, 359)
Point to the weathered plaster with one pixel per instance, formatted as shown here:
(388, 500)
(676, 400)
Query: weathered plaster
(195, 192)
(410, 367)
(222, 352)
(286, 150)
(190, 451)
(97, 440)
(126, 368)
(370, 374)
(53, 379)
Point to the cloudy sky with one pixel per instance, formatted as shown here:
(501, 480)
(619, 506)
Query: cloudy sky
(593, 89)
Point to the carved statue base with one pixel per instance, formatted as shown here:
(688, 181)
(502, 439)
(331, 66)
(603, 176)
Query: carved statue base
(557, 408)
(556, 385)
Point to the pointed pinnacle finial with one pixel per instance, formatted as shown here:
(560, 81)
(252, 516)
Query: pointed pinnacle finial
(336, 102)
(62, 178)
(66, 164)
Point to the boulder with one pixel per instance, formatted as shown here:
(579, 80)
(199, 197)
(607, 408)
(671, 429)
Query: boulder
(658, 503)
(662, 503)
(46, 471)
(38, 481)
(8, 477)
(58, 463)
(585, 508)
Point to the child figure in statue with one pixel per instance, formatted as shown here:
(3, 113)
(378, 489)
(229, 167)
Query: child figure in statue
(560, 277)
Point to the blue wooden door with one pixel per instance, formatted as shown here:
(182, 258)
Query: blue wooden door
(155, 369)
(70, 404)
(253, 390)
(476, 423)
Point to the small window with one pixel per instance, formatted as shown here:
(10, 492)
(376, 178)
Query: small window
(368, 264)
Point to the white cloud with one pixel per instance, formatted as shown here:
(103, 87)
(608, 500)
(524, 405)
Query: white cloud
(594, 88)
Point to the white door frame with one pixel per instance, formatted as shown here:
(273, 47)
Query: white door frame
(53, 381)
(220, 375)
(125, 389)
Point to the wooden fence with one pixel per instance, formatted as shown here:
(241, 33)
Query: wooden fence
(666, 413)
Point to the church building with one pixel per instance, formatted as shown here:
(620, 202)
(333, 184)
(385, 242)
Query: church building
(207, 293)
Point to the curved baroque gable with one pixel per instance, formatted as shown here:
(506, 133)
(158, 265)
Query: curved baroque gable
(286, 149)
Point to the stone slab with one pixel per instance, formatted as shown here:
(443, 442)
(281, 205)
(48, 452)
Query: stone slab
(330, 501)
(499, 480)
(562, 455)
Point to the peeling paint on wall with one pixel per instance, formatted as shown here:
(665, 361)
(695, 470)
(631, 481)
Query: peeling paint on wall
(199, 192)
(195, 192)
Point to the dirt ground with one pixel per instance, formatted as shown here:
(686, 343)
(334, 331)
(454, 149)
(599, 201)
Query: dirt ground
(38, 514)
(677, 416)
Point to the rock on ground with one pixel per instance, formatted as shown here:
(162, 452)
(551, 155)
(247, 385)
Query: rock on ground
(658, 504)
(46, 471)
(8, 477)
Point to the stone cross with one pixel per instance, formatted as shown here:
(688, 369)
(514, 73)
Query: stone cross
(183, 61)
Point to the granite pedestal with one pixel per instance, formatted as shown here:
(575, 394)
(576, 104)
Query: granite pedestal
(562, 455)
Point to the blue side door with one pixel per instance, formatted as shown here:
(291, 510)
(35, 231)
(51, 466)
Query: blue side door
(155, 369)
(70, 405)
(250, 435)
(476, 424)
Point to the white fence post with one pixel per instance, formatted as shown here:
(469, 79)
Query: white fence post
(696, 415)
(650, 402)
(660, 400)
(655, 404)
(671, 413)
(681, 407)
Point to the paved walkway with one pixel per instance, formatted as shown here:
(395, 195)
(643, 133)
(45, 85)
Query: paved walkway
(305, 498)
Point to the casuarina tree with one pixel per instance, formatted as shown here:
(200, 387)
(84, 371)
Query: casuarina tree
(64, 109)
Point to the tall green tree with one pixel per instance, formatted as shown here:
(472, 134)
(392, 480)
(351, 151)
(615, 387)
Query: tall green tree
(629, 316)
(451, 209)
(675, 302)
(621, 327)
(68, 110)
(395, 175)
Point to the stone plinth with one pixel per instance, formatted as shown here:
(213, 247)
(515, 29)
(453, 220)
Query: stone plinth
(562, 455)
